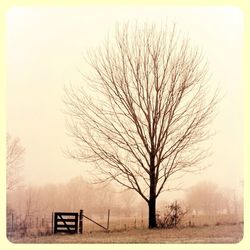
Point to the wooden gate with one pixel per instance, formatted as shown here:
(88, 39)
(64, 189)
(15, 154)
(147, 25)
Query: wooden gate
(65, 222)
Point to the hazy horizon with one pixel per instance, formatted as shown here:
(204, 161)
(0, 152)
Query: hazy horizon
(45, 48)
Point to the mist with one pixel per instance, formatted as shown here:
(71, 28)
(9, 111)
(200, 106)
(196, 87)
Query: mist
(45, 50)
(30, 208)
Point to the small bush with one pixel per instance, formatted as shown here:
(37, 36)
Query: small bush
(171, 217)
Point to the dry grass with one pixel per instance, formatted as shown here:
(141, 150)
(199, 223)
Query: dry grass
(231, 233)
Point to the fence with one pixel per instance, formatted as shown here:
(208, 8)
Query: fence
(211, 219)
(29, 225)
(18, 226)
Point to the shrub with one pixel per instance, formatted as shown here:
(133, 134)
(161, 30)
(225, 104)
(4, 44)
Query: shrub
(171, 217)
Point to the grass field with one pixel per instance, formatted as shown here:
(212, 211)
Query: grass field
(230, 233)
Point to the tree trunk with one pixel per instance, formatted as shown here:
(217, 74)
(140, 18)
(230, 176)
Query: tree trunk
(152, 213)
(152, 195)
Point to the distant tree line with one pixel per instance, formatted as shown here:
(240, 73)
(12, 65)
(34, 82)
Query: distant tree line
(95, 200)
(77, 194)
(208, 198)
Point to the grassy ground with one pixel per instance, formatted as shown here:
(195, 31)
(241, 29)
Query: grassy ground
(199, 234)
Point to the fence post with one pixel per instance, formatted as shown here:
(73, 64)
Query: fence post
(108, 219)
(80, 221)
(52, 223)
(12, 222)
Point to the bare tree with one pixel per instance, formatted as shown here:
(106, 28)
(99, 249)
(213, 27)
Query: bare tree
(146, 112)
(14, 162)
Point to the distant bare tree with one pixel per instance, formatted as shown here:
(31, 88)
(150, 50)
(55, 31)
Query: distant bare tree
(31, 207)
(14, 162)
(146, 112)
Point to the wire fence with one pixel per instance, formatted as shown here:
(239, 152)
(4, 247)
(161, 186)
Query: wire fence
(20, 226)
(211, 219)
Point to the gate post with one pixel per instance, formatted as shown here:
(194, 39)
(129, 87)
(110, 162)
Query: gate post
(80, 221)
(52, 224)
(55, 223)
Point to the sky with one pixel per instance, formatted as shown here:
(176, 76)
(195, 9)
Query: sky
(45, 48)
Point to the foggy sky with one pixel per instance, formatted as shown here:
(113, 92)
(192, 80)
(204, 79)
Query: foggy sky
(45, 48)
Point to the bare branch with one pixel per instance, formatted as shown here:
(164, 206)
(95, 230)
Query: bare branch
(14, 162)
